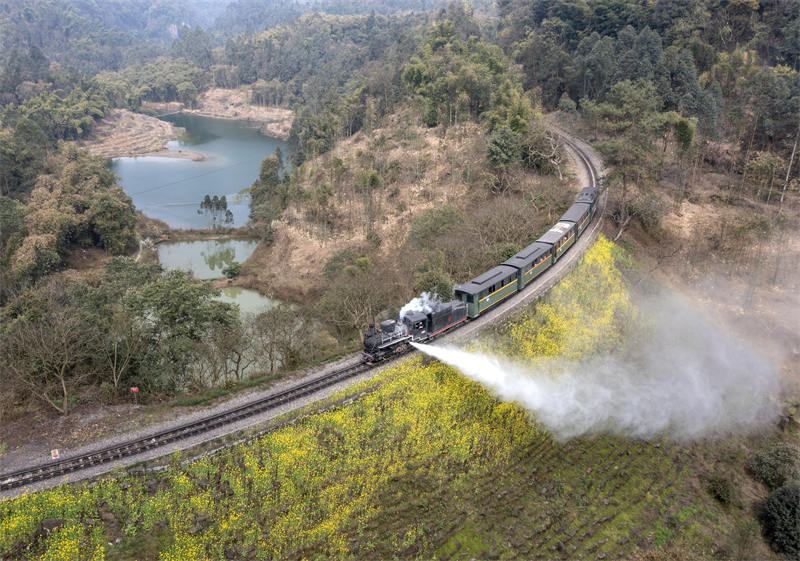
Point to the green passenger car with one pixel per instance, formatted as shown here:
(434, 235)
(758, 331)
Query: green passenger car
(488, 289)
(531, 262)
(580, 214)
(514, 274)
(561, 237)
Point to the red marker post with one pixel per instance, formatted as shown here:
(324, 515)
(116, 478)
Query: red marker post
(135, 392)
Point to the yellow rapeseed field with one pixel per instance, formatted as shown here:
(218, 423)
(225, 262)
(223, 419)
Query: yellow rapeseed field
(335, 484)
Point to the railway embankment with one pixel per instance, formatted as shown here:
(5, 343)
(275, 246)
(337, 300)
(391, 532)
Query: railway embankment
(587, 166)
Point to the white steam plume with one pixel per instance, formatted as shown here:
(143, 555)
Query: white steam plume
(424, 303)
(686, 380)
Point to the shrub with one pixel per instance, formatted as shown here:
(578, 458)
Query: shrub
(337, 262)
(434, 222)
(505, 251)
(743, 540)
(782, 519)
(776, 464)
(567, 105)
(721, 488)
(232, 270)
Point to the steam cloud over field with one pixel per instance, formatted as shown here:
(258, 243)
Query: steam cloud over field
(681, 377)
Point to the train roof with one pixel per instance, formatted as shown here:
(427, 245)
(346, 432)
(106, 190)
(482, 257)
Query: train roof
(414, 316)
(575, 213)
(486, 280)
(587, 195)
(555, 233)
(528, 255)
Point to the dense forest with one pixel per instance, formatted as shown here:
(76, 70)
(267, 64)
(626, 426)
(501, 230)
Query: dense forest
(656, 84)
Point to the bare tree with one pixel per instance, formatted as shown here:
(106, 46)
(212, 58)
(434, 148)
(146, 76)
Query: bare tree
(51, 354)
(280, 335)
(353, 299)
(223, 356)
(123, 343)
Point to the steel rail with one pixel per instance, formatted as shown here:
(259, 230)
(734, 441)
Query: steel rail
(68, 465)
(65, 466)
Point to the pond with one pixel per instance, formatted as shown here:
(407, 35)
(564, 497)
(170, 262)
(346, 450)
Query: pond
(206, 258)
(249, 301)
(171, 189)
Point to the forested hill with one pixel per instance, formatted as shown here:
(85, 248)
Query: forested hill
(636, 72)
(93, 35)
(725, 62)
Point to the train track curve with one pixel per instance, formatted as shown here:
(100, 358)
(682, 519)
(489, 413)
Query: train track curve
(22, 478)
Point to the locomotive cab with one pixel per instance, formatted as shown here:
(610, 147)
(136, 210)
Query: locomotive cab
(416, 322)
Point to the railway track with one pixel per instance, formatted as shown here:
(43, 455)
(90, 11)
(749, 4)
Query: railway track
(68, 465)
(56, 468)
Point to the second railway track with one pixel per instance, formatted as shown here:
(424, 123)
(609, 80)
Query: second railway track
(50, 470)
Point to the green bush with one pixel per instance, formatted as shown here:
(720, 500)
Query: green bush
(505, 251)
(232, 270)
(567, 105)
(782, 520)
(722, 488)
(776, 464)
(337, 262)
(434, 222)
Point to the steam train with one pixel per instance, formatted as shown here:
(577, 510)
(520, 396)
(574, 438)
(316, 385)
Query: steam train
(485, 291)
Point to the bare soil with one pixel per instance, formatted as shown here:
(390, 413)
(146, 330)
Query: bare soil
(124, 133)
(234, 104)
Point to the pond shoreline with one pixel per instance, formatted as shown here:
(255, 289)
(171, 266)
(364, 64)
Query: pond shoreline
(232, 105)
(242, 281)
(208, 258)
(125, 134)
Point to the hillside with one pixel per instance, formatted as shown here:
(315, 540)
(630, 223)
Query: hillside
(647, 408)
(365, 196)
(424, 464)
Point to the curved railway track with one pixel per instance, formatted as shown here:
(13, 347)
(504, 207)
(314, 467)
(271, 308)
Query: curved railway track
(56, 468)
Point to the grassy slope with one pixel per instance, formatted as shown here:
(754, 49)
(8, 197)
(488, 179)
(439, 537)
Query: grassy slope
(426, 465)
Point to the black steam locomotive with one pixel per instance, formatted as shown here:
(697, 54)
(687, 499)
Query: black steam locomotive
(394, 336)
(486, 290)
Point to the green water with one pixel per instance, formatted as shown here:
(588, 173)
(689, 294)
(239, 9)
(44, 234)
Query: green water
(249, 301)
(172, 189)
(206, 258)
